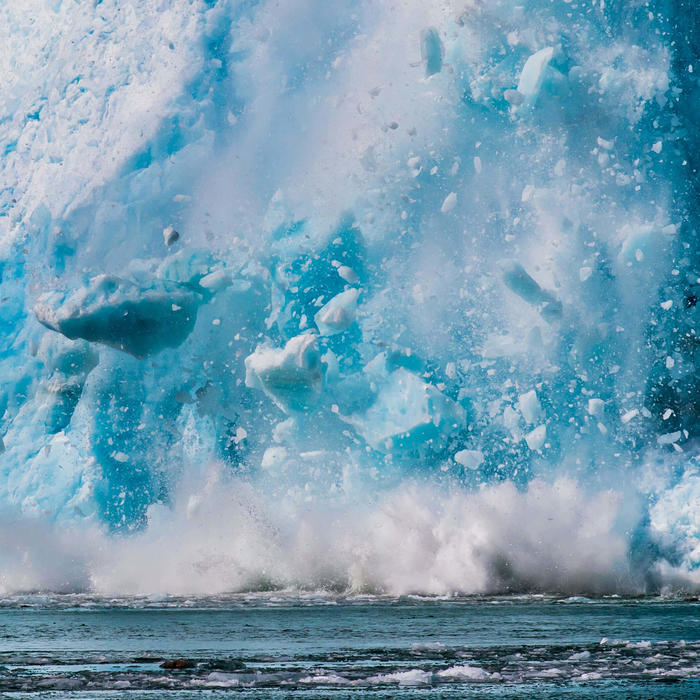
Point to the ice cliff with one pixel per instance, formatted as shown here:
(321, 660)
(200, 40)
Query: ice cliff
(354, 259)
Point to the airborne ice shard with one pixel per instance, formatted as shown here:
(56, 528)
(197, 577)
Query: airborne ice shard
(141, 321)
(356, 269)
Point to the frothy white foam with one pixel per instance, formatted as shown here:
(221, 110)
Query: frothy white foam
(224, 537)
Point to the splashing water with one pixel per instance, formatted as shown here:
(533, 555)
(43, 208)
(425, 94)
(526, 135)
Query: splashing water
(350, 296)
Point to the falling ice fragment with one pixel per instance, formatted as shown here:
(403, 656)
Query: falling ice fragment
(471, 459)
(431, 51)
(449, 203)
(535, 438)
(532, 75)
(140, 320)
(338, 314)
(170, 235)
(291, 376)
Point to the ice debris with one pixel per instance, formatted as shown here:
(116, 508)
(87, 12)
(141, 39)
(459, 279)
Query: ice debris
(533, 74)
(338, 314)
(530, 406)
(407, 413)
(348, 274)
(596, 407)
(471, 459)
(431, 51)
(291, 376)
(535, 438)
(170, 235)
(522, 284)
(449, 203)
(116, 312)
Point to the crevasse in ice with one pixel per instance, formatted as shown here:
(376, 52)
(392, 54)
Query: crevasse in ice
(444, 245)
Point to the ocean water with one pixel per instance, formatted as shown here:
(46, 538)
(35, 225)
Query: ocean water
(322, 646)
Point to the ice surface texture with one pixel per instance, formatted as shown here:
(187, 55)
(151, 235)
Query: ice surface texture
(321, 253)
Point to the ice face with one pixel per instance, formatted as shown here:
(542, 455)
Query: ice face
(329, 250)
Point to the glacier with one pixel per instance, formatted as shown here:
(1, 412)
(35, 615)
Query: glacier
(399, 298)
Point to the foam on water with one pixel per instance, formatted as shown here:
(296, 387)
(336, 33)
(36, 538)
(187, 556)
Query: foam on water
(352, 296)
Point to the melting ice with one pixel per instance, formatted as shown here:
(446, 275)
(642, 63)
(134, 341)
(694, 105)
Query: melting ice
(370, 296)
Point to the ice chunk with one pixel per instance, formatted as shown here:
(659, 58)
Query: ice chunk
(291, 376)
(511, 420)
(186, 267)
(532, 75)
(629, 415)
(465, 673)
(596, 407)
(215, 281)
(521, 283)
(527, 193)
(529, 406)
(449, 203)
(348, 274)
(338, 314)
(513, 97)
(431, 51)
(113, 311)
(170, 235)
(273, 457)
(669, 438)
(535, 438)
(407, 414)
(471, 459)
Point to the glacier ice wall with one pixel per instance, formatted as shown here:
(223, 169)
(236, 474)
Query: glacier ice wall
(398, 298)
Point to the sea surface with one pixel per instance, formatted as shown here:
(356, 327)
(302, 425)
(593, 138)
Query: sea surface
(319, 646)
